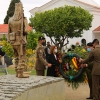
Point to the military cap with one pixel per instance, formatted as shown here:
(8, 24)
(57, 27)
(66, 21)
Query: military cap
(90, 44)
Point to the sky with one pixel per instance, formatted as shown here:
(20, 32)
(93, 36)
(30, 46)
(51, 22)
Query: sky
(27, 4)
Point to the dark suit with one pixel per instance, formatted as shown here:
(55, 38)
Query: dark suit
(51, 70)
(95, 57)
(47, 52)
(89, 76)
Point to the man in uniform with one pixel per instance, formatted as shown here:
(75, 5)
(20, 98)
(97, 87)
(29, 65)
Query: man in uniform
(17, 31)
(41, 62)
(95, 57)
(89, 69)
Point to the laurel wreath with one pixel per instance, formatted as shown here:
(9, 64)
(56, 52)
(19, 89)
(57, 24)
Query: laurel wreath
(70, 68)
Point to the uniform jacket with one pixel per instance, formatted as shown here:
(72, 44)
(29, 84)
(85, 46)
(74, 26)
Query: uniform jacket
(95, 57)
(40, 58)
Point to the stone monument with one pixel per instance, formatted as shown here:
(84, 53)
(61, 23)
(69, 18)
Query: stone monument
(34, 87)
(17, 31)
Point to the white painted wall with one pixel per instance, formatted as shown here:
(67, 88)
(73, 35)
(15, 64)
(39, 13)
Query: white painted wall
(95, 23)
(97, 35)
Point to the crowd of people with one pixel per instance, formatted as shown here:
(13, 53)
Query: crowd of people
(48, 57)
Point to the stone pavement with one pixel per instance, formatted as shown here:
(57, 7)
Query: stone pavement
(9, 83)
(79, 94)
(32, 88)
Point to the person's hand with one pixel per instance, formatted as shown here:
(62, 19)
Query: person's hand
(60, 61)
(83, 65)
(80, 60)
(49, 65)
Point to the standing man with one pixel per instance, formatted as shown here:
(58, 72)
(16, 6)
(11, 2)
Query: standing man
(17, 31)
(40, 58)
(89, 70)
(95, 57)
(47, 50)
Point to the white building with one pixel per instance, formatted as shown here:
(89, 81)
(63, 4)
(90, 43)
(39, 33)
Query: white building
(90, 5)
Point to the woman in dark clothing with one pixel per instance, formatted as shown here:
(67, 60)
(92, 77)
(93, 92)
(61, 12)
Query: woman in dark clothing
(53, 59)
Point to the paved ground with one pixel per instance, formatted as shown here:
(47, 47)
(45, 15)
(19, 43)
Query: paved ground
(79, 94)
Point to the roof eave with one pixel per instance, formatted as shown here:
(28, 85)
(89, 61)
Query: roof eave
(88, 4)
(96, 31)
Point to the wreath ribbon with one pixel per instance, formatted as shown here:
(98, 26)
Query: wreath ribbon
(74, 61)
(71, 77)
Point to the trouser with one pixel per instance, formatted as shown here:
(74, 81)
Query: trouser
(96, 87)
(89, 76)
(2, 60)
(40, 72)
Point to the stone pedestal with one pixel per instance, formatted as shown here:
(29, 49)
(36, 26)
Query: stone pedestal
(32, 88)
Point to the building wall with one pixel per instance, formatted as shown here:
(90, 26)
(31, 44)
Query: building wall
(97, 35)
(95, 23)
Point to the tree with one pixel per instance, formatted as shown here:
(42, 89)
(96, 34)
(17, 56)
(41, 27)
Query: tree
(62, 23)
(11, 10)
(32, 39)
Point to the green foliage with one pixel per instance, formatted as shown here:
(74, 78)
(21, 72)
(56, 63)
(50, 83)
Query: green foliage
(4, 37)
(7, 48)
(11, 71)
(11, 10)
(81, 52)
(32, 39)
(75, 83)
(62, 22)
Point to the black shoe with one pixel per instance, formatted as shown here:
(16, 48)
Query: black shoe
(90, 98)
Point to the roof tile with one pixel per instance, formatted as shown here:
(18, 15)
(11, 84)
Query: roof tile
(97, 29)
(4, 28)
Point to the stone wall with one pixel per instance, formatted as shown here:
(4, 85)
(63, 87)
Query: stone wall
(32, 88)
